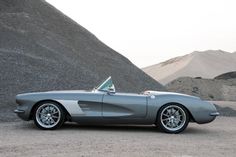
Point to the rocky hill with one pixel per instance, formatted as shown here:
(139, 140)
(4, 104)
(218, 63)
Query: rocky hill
(207, 89)
(42, 49)
(229, 75)
(205, 64)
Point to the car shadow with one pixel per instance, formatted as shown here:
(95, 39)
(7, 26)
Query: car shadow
(130, 128)
(70, 126)
(125, 128)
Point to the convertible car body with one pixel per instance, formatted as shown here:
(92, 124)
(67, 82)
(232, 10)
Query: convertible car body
(103, 105)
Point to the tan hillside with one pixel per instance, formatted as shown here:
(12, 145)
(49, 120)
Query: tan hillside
(205, 64)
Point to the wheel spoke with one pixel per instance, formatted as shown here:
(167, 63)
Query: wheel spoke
(169, 112)
(175, 124)
(55, 112)
(52, 120)
(44, 110)
(172, 111)
(165, 119)
(175, 112)
(168, 123)
(50, 108)
(178, 116)
(172, 125)
(166, 115)
(47, 122)
(177, 121)
(41, 113)
(55, 116)
(43, 120)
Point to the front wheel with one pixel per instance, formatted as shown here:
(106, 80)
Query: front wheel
(172, 118)
(48, 115)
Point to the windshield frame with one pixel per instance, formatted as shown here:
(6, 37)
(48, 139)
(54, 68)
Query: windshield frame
(99, 87)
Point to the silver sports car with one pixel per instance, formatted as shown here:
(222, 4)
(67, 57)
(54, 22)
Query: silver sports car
(171, 112)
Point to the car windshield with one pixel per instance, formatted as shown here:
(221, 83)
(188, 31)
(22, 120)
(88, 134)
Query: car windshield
(106, 85)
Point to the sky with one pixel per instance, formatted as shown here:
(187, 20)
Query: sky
(151, 31)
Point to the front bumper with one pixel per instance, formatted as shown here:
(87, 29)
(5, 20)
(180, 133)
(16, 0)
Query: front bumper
(23, 112)
(214, 114)
(19, 111)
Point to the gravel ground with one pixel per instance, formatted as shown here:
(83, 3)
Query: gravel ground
(214, 139)
(23, 139)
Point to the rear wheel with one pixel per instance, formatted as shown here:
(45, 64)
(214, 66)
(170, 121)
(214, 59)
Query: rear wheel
(48, 115)
(173, 118)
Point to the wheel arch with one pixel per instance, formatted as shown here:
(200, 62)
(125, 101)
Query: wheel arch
(68, 116)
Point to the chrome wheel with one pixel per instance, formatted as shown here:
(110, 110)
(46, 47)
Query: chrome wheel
(173, 118)
(48, 115)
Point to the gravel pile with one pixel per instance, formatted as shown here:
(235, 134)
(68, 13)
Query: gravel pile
(207, 89)
(41, 49)
(226, 76)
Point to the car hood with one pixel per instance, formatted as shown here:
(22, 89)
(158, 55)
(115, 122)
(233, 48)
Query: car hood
(69, 91)
(53, 92)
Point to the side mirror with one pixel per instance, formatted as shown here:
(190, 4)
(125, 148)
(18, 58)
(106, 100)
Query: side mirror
(111, 90)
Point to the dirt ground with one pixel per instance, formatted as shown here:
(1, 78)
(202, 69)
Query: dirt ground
(214, 139)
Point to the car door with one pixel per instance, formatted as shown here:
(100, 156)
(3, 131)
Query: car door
(124, 105)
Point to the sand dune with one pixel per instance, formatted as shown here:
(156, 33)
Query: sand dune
(205, 64)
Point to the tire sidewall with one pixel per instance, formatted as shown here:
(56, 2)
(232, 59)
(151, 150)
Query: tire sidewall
(160, 125)
(59, 124)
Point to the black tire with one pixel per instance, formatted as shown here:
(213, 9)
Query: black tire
(54, 110)
(165, 118)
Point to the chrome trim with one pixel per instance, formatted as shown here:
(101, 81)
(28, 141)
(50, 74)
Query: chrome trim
(214, 114)
(19, 111)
